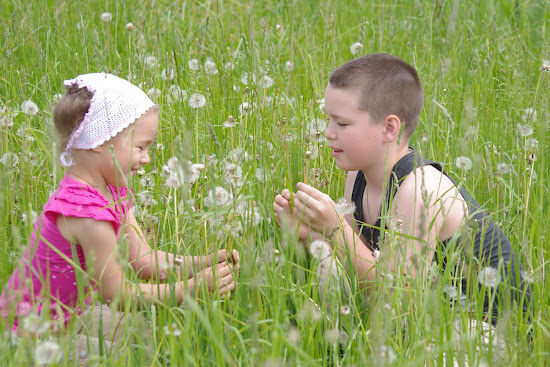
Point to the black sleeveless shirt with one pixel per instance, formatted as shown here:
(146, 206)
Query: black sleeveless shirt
(487, 242)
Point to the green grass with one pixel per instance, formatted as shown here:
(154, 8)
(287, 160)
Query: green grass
(480, 61)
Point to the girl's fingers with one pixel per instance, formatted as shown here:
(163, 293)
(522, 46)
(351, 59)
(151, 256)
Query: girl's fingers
(286, 194)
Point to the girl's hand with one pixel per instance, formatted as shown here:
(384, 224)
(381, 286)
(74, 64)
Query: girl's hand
(231, 257)
(318, 208)
(282, 210)
(217, 279)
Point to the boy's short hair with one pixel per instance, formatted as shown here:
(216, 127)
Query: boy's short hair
(384, 85)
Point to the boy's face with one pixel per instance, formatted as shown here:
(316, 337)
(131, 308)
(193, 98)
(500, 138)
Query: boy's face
(355, 139)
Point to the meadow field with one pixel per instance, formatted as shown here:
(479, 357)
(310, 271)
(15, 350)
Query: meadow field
(240, 86)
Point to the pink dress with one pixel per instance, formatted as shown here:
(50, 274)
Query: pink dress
(46, 275)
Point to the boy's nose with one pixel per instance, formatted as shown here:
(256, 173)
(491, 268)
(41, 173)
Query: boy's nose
(329, 132)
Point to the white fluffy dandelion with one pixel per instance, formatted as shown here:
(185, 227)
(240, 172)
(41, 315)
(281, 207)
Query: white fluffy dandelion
(151, 61)
(289, 65)
(463, 163)
(219, 196)
(345, 310)
(229, 66)
(10, 160)
(530, 114)
(173, 180)
(319, 249)
(197, 100)
(168, 74)
(30, 108)
(545, 66)
(46, 353)
(293, 335)
(244, 78)
(129, 26)
(230, 122)
(210, 66)
(356, 48)
(503, 168)
(154, 93)
(532, 144)
(524, 130)
(344, 207)
(244, 108)
(194, 64)
(106, 17)
(316, 127)
(331, 336)
(489, 277)
(175, 93)
(267, 81)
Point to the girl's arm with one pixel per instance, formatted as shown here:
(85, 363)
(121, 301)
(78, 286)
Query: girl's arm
(99, 243)
(155, 264)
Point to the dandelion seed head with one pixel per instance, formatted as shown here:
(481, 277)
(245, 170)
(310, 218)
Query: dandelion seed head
(527, 277)
(530, 114)
(293, 335)
(210, 66)
(230, 122)
(376, 255)
(524, 130)
(244, 108)
(106, 17)
(489, 277)
(344, 207)
(345, 310)
(175, 93)
(319, 249)
(315, 128)
(267, 81)
(10, 160)
(309, 312)
(229, 66)
(289, 65)
(129, 26)
(151, 61)
(173, 180)
(48, 352)
(545, 66)
(463, 163)
(154, 93)
(197, 100)
(26, 220)
(244, 78)
(532, 144)
(356, 48)
(194, 64)
(218, 196)
(503, 168)
(331, 336)
(30, 108)
(168, 74)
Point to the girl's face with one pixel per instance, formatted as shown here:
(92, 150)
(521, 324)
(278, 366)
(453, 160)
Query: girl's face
(130, 150)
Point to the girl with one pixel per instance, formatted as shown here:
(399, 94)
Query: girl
(106, 126)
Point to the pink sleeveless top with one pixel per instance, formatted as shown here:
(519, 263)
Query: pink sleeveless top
(46, 275)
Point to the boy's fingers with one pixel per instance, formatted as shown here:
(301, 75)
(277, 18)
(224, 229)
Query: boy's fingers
(311, 191)
(286, 194)
(306, 199)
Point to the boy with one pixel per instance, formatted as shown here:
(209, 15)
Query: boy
(373, 104)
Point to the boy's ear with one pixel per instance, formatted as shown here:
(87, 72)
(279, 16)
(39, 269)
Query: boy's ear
(393, 127)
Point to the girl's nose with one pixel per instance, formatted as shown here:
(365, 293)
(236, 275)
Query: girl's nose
(145, 159)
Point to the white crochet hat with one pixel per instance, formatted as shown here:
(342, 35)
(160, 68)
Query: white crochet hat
(116, 103)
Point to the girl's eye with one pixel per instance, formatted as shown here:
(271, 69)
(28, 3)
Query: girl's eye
(340, 123)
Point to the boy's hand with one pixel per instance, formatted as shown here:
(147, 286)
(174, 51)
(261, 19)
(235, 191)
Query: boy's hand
(318, 207)
(282, 210)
